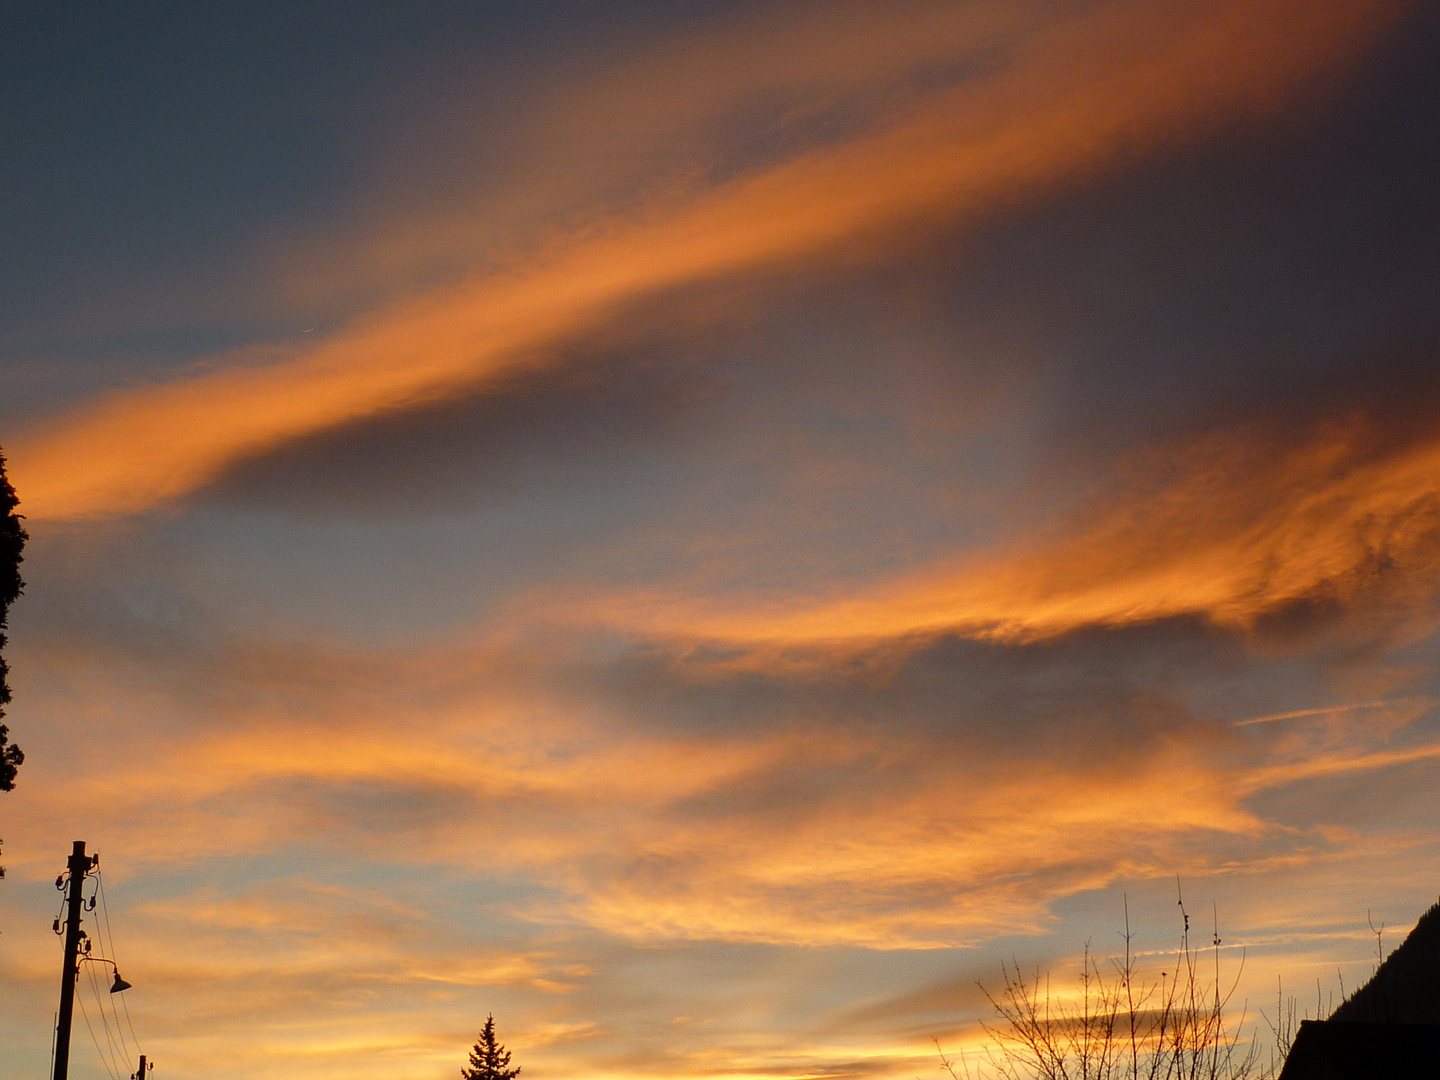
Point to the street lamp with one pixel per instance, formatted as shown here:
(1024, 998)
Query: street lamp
(119, 984)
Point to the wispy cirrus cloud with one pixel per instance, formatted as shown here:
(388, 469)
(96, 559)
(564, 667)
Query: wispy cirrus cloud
(1066, 97)
(914, 804)
(1243, 529)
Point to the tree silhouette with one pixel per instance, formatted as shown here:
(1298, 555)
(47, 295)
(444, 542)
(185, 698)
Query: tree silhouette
(489, 1060)
(12, 543)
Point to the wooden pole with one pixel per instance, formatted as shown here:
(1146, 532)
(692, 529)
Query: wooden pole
(79, 865)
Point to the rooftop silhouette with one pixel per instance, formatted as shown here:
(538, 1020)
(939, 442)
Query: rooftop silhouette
(1388, 1027)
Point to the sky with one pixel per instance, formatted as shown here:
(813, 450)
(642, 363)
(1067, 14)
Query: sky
(705, 529)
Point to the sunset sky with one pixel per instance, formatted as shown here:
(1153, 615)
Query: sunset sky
(703, 529)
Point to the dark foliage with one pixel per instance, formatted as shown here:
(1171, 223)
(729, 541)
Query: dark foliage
(12, 544)
(489, 1060)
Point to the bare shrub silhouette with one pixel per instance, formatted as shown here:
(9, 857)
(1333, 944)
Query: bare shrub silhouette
(1289, 1016)
(1121, 1024)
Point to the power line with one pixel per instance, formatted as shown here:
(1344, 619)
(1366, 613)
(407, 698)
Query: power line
(95, 983)
(70, 884)
(126, 1006)
(85, 1013)
(104, 1024)
(104, 1020)
(107, 948)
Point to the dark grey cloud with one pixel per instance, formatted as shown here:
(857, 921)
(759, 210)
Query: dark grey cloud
(1281, 274)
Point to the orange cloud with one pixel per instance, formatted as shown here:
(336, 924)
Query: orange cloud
(816, 834)
(655, 837)
(1075, 93)
(1236, 529)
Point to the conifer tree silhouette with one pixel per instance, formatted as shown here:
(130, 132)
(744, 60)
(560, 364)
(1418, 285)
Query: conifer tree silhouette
(489, 1060)
(12, 543)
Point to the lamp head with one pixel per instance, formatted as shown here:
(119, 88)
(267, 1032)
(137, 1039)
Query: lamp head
(119, 984)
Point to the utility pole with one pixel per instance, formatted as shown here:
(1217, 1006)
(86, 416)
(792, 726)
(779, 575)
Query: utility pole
(79, 865)
(141, 1074)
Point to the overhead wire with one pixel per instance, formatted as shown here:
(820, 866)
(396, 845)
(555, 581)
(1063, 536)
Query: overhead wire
(107, 947)
(105, 911)
(99, 940)
(62, 912)
(103, 1060)
(119, 1047)
(126, 1006)
(104, 1020)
